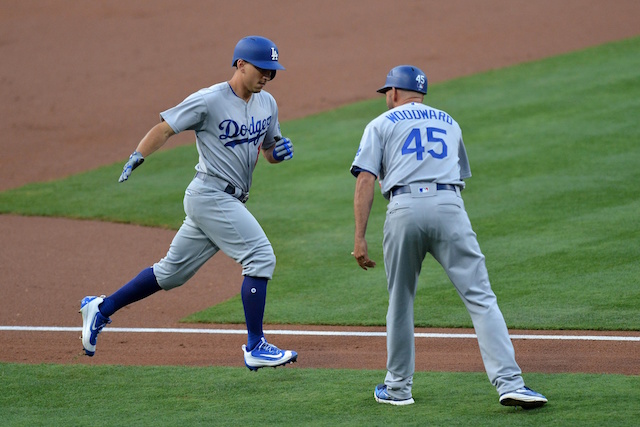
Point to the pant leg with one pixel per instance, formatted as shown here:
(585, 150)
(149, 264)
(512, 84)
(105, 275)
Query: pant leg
(404, 251)
(188, 251)
(459, 253)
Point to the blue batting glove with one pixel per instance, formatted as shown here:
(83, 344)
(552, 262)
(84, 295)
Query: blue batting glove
(283, 149)
(135, 160)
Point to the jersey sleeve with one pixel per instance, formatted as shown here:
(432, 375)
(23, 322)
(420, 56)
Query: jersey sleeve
(463, 161)
(369, 155)
(190, 114)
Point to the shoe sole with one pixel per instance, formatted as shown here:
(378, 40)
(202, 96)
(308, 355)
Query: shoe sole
(409, 401)
(510, 401)
(294, 359)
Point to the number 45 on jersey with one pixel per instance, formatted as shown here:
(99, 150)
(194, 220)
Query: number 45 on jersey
(413, 143)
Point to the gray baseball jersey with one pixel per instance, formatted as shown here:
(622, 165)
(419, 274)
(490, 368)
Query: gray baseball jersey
(425, 145)
(418, 154)
(229, 131)
(229, 136)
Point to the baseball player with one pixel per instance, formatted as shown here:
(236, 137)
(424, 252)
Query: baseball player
(233, 122)
(419, 158)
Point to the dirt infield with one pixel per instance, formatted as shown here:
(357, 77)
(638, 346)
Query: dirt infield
(81, 84)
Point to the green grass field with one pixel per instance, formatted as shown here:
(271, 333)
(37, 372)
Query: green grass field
(53, 395)
(554, 150)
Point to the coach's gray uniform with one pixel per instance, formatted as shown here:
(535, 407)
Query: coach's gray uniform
(229, 136)
(413, 149)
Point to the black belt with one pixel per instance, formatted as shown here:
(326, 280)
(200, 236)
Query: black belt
(402, 189)
(229, 189)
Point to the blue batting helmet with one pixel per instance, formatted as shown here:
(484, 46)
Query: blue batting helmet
(406, 77)
(258, 51)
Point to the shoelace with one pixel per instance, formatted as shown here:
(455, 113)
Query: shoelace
(269, 348)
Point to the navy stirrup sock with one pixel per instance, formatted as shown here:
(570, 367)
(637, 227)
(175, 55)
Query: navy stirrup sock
(141, 286)
(254, 297)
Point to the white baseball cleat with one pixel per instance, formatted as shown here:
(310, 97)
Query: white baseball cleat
(267, 355)
(92, 322)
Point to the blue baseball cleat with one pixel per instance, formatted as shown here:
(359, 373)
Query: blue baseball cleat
(267, 355)
(92, 323)
(381, 394)
(523, 397)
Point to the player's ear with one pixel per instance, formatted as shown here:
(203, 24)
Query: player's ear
(394, 95)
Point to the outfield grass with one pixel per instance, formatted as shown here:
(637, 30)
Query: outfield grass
(53, 395)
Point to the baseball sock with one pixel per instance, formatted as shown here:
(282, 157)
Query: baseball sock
(254, 297)
(141, 286)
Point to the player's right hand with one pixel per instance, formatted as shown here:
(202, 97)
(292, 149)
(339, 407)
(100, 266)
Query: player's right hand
(364, 262)
(135, 160)
(361, 254)
(283, 150)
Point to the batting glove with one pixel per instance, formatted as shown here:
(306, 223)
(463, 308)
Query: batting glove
(135, 160)
(283, 149)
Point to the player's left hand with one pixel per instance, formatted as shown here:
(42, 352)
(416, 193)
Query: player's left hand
(283, 150)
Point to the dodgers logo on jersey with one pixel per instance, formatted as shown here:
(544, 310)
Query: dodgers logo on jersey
(243, 134)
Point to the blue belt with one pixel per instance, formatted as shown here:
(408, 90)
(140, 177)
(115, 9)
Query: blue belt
(402, 189)
(229, 189)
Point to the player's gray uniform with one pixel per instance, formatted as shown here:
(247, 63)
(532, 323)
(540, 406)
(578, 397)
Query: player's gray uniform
(411, 149)
(229, 136)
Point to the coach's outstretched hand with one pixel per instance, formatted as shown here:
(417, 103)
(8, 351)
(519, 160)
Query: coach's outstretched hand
(135, 160)
(283, 150)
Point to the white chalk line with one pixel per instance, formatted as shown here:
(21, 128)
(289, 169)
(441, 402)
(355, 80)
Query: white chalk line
(317, 333)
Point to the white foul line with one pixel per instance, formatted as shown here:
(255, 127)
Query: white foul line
(317, 333)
